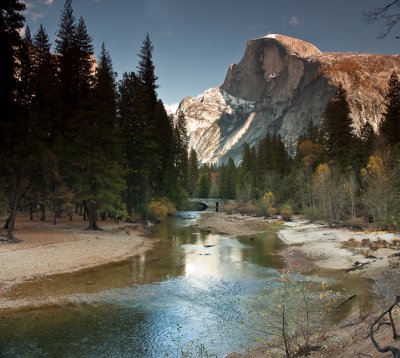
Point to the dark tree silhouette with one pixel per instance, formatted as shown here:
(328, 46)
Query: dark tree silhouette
(338, 128)
(11, 21)
(146, 69)
(390, 125)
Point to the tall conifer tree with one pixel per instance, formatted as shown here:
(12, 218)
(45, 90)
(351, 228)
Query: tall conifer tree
(84, 58)
(146, 69)
(390, 125)
(45, 105)
(98, 167)
(338, 128)
(11, 21)
(13, 126)
(193, 171)
(181, 156)
(68, 66)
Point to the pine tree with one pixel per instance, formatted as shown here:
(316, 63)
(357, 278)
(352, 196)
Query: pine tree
(11, 21)
(165, 176)
(231, 179)
(205, 182)
(146, 69)
(227, 180)
(25, 91)
(151, 135)
(99, 176)
(338, 128)
(247, 173)
(364, 146)
(66, 50)
(46, 103)
(44, 114)
(181, 156)
(390, 125)
(193, 171)
(133, 118)
(13, 125)
(84, 55)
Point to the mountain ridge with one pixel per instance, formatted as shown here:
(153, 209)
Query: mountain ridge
(280, 86)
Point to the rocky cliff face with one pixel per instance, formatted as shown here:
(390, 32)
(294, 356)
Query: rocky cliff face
(279, 86)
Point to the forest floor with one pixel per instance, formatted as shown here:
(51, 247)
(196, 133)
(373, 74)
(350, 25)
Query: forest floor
(44, 249)
(366, 252)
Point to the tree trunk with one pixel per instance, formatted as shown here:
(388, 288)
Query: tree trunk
(85, 211)
(92, 216)
(42, 212)
(13, 210)
(30, 211)
(56, 211)
(7, 223)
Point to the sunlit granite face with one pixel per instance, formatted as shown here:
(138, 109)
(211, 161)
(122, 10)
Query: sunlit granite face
(280, 86)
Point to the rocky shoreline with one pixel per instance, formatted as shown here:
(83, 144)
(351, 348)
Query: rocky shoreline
(361, 251)
(369, 253)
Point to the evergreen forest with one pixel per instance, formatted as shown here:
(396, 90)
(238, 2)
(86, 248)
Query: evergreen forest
(338, 173)
(74, 139)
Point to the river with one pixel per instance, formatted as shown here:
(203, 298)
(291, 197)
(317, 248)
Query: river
(191, 290)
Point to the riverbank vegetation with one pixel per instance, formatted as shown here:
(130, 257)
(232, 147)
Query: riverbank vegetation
(336, 173)
(72, 137)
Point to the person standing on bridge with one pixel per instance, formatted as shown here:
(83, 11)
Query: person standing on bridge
(217, 206)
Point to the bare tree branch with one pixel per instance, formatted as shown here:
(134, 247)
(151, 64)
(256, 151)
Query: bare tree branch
(386, 16)
(395, 351)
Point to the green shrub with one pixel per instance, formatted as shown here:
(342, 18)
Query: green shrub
(171, 209)
(269, 199)
(160, 208)
(286, 212)
(157, 210)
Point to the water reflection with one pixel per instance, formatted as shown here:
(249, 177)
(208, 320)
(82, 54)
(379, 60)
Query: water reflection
(192, 279)
(213, 256)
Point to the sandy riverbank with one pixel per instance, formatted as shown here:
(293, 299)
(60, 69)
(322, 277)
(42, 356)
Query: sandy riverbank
(318, 245)
(44, 249)
(234, 224)
(341, 249)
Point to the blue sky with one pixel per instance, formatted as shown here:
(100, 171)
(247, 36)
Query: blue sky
(196, 40)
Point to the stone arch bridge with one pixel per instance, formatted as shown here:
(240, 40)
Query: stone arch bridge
(209, 204)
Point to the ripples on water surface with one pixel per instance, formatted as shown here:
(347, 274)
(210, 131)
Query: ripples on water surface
(193, 286)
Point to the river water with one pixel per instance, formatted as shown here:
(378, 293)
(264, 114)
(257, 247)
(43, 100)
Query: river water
(191, 290)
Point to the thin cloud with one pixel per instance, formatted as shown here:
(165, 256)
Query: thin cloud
(167, 33)
(34, 8)
(29, 6)
(36, 15)
(294, 20)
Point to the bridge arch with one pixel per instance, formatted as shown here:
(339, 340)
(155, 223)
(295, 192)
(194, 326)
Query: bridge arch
(209, 204)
